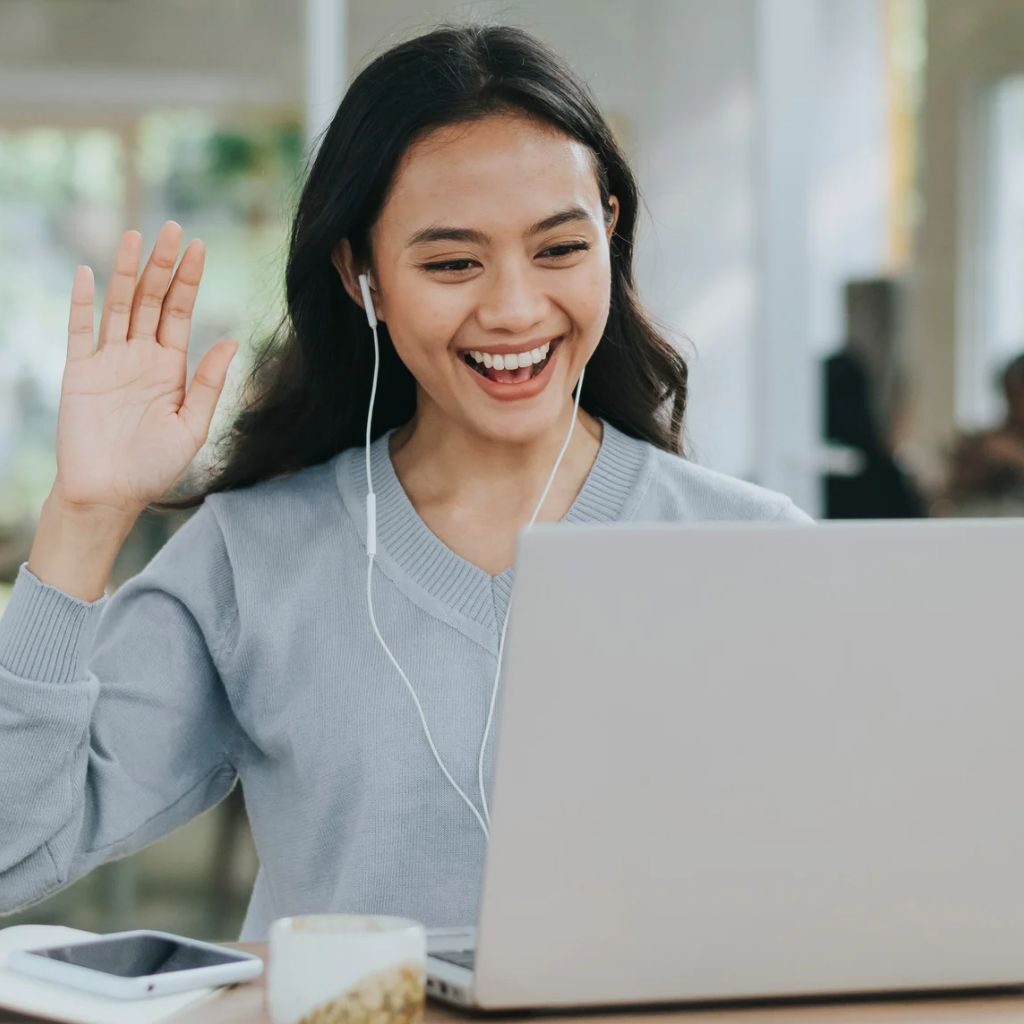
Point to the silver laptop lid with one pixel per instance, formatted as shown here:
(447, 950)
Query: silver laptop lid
(758, 759)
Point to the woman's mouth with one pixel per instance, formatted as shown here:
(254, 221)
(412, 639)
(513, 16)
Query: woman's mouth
(514, 368)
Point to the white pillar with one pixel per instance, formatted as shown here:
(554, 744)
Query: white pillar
(326, 63)
(786, 379)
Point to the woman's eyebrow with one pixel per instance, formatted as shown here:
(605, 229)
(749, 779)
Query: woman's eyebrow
(442, 233)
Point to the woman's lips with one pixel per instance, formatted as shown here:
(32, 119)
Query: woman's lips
(510, 390)
(517, 373)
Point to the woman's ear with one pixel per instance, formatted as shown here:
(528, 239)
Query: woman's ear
(613, 202)
(345, 264)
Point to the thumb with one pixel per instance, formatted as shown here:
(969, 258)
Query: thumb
(207, 384)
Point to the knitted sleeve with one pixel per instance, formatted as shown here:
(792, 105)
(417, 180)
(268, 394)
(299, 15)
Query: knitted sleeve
(115, 727)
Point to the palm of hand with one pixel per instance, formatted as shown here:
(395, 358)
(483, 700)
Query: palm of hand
(123, 400)
(127, 427)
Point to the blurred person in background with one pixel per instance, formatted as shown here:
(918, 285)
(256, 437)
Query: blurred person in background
(986, 468)
(875, 486)
(470, 173)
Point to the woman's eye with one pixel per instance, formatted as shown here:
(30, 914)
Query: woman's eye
(452, 265)
(554, 252)
(569, 247)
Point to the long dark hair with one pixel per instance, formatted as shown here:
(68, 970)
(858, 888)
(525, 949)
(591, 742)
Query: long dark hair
(307, 395)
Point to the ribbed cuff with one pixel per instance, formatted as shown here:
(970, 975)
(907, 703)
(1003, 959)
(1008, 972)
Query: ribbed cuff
(45, 633)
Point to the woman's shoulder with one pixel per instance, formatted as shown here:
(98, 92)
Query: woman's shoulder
(679, 489)
(278, 504)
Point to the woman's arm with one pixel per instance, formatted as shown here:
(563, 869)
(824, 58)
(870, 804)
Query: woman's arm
(75, 548)
(115, 727)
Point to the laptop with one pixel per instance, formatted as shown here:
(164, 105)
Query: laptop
(753, 760)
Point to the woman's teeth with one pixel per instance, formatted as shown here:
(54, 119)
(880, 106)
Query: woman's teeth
(512, 368)
(513, 360)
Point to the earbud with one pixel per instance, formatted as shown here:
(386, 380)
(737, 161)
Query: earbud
(364, 287)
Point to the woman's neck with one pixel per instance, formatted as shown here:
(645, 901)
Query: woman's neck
(448, 471)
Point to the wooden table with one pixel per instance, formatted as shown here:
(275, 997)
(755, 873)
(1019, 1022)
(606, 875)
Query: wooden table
(244, 1004)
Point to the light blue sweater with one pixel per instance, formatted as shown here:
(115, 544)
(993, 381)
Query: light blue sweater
(244, 651)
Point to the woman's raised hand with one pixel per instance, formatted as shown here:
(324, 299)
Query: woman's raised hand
(127, 428)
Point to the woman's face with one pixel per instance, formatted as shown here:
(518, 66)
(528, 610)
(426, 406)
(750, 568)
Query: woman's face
(492, 247)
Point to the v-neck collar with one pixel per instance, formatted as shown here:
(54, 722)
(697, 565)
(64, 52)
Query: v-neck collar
(609, 493)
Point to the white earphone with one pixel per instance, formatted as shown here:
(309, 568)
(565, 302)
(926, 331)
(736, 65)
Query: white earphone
(483, 820)
(364, 287)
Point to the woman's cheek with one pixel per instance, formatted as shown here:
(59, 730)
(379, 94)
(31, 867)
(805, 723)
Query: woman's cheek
(590, 301)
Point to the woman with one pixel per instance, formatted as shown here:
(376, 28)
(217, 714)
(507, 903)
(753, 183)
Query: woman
(474, 180)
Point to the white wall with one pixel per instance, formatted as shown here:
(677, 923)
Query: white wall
(999, 321)
(849, 200)
(693, 157)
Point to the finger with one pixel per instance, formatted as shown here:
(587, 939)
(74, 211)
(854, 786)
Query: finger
(117, 307)
(81, 341)
(207, 384)
(176, 316)
(152, 287)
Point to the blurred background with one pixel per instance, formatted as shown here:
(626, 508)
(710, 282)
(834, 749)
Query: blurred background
(834, 228)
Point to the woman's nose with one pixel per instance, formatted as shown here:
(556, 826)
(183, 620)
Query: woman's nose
(513, 300)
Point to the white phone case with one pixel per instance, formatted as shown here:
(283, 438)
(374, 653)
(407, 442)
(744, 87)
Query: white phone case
(25, 994)
(244, 968)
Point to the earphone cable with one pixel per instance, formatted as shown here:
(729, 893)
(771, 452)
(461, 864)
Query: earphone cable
(371, 544)
(371, 550)
(504, 626)
(419, 707)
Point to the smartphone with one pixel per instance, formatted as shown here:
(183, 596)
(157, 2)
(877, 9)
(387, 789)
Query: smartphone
(137, 964)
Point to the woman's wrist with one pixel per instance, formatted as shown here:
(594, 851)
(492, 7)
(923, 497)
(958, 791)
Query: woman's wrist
(75, 546)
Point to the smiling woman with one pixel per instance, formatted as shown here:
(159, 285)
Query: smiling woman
(505, 284)
(473, 175)
(470, 181)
